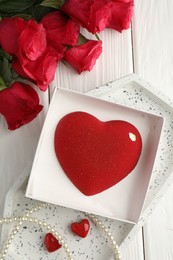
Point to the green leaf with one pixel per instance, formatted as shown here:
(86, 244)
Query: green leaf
(1, 53)
(53, 3)
(14, 75)
(6, 71)
(82, 39)
(39, 11)
(97, 37)
(11, 6)
(2, 84)
(7, 56)
(24, 16)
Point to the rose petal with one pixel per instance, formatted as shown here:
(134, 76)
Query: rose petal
(19, 104)
(60, 29)
(32, 41)
(42, 70)
(91, 14)
(121, 14)
(99, 16)
(10, 30)
(83, 57)
(78, 10)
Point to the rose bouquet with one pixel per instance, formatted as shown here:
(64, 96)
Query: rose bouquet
(36, 35)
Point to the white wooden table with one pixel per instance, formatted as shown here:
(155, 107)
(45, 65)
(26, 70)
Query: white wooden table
(145, 49)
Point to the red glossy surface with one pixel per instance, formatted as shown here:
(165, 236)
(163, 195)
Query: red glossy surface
(51, 243)
(81, 228)
(96, 155)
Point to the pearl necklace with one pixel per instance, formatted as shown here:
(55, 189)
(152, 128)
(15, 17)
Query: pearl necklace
(27, 218)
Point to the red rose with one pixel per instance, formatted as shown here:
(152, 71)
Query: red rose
(19, 104)
(84, 56)
(60, 29)
(21, 37)
(33, 58)
(91, 14)
(42, 70)
(96, 15)
(121, 14)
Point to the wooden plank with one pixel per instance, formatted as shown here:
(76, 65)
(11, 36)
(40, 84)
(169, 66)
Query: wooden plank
(153, 61)
(158, 232)
(134, 251)
(152, 43)
(114, 62)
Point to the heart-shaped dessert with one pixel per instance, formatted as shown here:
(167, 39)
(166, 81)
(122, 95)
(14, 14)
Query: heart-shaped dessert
(96, 155)
(51, 243)
(81, 228)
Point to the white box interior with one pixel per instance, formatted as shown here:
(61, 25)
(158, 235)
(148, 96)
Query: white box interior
(124, 201)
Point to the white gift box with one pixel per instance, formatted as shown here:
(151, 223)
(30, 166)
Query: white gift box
(124, 201)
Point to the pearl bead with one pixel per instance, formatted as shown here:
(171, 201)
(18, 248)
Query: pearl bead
(6, 245)
(11, 236)
(65, 246)
(59, 237)
(67, 250)
(69, 253)
(117, 255)
(102, 226)
(61, 241)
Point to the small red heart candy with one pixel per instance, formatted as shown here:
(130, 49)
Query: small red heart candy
(81, 228)
(51, 243)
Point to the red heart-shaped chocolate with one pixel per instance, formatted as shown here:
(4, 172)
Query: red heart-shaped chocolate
(51, 243)
(96, 155)
(81, 228)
